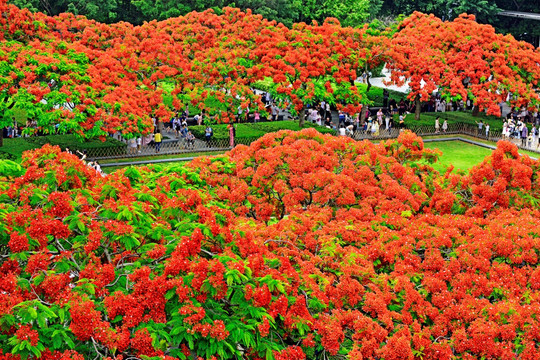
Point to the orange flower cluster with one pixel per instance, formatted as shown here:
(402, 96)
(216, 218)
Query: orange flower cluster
(300, 246)
(95, 79)
(464, 60)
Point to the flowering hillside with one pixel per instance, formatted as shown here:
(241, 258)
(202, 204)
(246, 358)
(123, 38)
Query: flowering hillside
(300, 246)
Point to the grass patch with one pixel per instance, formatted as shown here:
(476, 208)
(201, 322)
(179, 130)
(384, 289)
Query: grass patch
(458, 153)
(254, 130)
(13, 148)
(522, 152)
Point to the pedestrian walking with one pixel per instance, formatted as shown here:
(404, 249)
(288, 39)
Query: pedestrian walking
(157, 140)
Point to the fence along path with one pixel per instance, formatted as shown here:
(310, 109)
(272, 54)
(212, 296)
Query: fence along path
(174, 147)
(168, 147)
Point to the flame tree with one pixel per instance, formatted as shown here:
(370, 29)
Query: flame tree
(464, 60)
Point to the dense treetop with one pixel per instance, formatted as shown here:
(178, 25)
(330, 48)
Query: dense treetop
(351, 12)
(94, 79)
(300, 246)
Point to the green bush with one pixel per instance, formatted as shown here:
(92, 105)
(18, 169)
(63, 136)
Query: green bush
(375, 94)
(252, 130)
(465, 117)
(13, 148)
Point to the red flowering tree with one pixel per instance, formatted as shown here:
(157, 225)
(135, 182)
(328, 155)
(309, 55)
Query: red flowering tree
(300, 246)
(309, 63)
(223, 63)
(116, 77)
(464, 60)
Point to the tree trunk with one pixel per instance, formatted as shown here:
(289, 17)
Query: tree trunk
(302, 117)
(475, 110)
(417, 107)
(363, 113)
(368, 83)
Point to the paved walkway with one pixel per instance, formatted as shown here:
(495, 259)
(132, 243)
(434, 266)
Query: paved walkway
(143, 162)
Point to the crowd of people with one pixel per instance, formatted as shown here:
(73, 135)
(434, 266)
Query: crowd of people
(354, 126)
(371, 122)
(177, 127)
(515, 127)
(519, 125)
(14, 130)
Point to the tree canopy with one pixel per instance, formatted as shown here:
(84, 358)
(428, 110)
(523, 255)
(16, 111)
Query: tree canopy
(90, 78)
(300, 246)
(351, 13)
(464, 60)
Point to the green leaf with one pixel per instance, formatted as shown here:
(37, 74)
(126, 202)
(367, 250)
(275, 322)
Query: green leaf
(35, 351)
(68, 340)
(32, 312)
(42, 321)
(61, 314)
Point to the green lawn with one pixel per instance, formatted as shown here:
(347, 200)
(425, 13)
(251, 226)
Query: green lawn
(532, 154)
(458, 153)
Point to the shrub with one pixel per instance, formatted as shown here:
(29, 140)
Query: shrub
(13, 148)
(253, 130)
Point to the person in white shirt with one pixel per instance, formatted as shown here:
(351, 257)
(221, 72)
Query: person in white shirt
(98, 168)
(350, 130)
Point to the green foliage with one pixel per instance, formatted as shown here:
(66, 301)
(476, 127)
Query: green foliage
(349, 12)
(375, 94)
(464, 117)
(13, 148)
(253, 130)
(10, 168)
(442, 8)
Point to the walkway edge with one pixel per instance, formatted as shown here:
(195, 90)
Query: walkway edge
(143, 162)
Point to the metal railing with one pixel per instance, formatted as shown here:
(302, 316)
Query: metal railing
(181, 146)
(167, 147)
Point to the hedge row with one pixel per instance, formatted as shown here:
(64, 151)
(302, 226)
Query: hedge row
(13, 148)
(253, 130)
